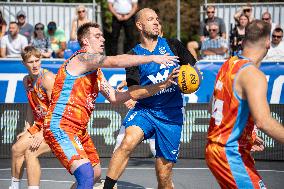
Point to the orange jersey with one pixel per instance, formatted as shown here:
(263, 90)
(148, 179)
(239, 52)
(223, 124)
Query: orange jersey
(38, 101)
(72, 102)
(73, 98)
(231, 123)
(231, 132)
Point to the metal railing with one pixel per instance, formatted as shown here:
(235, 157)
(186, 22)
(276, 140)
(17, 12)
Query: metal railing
(61, 13)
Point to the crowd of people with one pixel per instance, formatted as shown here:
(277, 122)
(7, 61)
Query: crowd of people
(60, 105)
(213, 44)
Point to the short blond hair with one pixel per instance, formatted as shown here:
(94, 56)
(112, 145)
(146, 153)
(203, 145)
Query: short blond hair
(30, 51)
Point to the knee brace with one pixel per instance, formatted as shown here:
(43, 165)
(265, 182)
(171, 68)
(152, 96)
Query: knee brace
(84, 176)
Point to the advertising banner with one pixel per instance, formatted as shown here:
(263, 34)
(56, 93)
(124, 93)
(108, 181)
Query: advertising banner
(12, 72)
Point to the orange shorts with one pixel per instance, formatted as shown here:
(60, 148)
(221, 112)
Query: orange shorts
(69, 144)
(232, 167)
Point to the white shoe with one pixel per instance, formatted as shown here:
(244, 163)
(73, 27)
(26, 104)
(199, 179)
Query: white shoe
(101, 185)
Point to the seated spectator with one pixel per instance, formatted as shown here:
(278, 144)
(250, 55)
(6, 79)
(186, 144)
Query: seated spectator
(246, 10)
(276, 51)
(26, 29)
(238, 34)
(57, 39)
(13, 43)
(81, 18)
(266, 17)
(193, 46)
(214, 47)
(41, 42)
(3, 25)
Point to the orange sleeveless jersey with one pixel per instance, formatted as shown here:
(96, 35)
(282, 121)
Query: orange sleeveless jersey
(231, 132)
(38, 101)
(65, 127)
(231, 123)
(73, 98)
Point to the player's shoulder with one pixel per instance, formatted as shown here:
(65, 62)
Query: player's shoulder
(48, 75)
(252, 75)
(25, 80)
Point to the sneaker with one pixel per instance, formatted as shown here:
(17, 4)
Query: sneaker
(101, 185)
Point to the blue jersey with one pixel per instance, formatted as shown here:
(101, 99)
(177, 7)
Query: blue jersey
(153, 73)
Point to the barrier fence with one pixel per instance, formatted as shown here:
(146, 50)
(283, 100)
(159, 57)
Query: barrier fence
(106, 120)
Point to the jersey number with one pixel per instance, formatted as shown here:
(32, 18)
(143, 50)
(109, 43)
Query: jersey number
(217, 112)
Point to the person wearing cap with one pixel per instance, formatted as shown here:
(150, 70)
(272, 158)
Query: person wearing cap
(57, 39)
(246, 10)
(26, 29)
(13, 43)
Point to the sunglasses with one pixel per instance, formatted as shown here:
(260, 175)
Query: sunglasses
(277, 36)
(81, 11)
(39, 28)
(212, 30)
(265, 18)
(247, 10)
(208, 12)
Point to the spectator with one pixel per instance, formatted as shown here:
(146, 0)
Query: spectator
(81, 13)
(276, 51)
(238, 34)
(26, 29)
(57, 38)
(246, 10)
(13, 43)
(41, 42)
(123, 11)
(3, 25)
(193, 46)
(214, 47)
(266, 17)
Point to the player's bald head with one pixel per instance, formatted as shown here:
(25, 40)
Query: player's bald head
(140, 15)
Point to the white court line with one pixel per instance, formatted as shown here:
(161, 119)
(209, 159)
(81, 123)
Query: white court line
(65, 181)
(152, 168)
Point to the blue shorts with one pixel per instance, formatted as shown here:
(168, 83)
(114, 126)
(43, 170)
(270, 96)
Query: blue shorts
(166, 125)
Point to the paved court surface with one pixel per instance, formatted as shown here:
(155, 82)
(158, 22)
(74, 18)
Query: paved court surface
(140, 174)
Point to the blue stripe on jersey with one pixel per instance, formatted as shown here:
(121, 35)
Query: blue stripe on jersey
(61, 137)
(153, 73)
(232, 148)
(238, 168)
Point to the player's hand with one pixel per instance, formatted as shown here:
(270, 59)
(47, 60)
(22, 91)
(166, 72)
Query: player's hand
(37, 140)
(172, 78)
(130, 103)
(165, 59)
(20, 135)
(120, 86)
(257, 145)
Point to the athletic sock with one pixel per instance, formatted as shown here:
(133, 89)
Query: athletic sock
(33, 187)
(109, 183)
(15, 183)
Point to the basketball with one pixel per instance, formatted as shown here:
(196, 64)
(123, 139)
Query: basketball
(189, 79)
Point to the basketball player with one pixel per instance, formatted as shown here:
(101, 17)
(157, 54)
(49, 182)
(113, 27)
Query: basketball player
(77, 84)
(30, 143)
(130, 104)
(161, 114)
(239, 101)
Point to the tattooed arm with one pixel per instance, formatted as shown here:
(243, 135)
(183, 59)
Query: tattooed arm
(94, 61)
(111, 94)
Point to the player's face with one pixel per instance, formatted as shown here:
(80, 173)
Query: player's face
(96, 40)
(151, 24)
(33, 65)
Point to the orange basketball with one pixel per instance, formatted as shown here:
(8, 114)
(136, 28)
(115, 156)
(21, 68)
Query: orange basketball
(189, 79)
